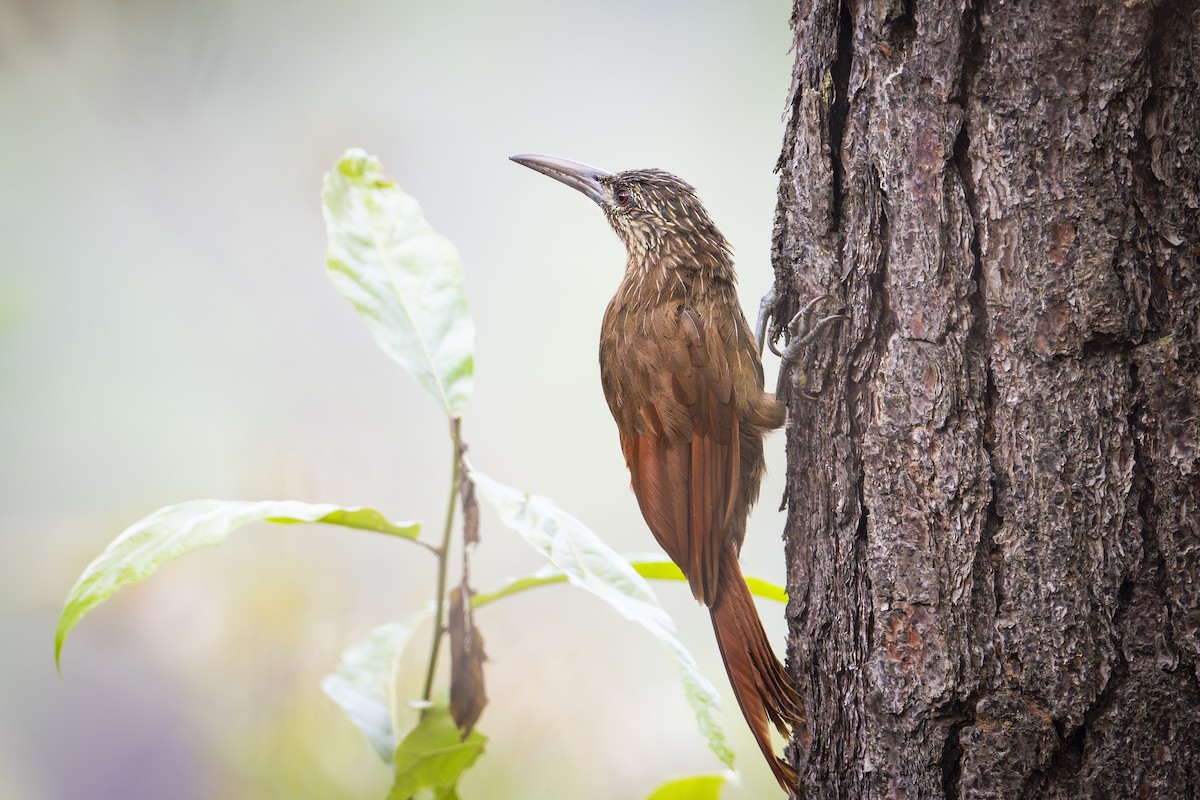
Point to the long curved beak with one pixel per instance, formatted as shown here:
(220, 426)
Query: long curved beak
(579, 176)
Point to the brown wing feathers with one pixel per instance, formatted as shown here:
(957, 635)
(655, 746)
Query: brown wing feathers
(684, 460)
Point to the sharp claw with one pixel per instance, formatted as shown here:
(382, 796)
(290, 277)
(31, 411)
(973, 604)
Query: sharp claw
(802, 340)
(806, 312)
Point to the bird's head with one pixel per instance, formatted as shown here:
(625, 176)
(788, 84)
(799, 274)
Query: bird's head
(651, 210)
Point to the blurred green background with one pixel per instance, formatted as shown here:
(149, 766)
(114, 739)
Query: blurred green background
(167, 332)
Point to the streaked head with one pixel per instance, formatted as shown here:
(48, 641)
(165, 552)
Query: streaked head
(646, 207)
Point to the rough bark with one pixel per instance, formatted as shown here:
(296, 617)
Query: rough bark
(994, 505)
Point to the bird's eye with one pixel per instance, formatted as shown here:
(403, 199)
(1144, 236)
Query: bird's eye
(622, 197)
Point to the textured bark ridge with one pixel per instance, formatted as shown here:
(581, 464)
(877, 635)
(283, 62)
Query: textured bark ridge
(994, 506)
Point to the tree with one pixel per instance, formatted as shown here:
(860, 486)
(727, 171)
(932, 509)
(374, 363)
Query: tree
(994, 505)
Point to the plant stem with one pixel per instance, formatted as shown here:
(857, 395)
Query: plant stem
(443, 557)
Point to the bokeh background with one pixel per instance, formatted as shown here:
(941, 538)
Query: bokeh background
(167, 332)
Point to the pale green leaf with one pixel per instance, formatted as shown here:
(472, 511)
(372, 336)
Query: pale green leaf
(433, 756)
(695, 787)
(546, 576)
(589, 563)
(404, 279)
(172, 531)
(364, 682)
(662, 569)
(650, 567)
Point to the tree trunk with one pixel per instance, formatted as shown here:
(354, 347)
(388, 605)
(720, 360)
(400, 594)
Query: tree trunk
(994, 504)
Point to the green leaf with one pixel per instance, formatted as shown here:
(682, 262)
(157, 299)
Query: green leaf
(696, 787)
(590, 564)
(172, 531)
(363, 683)
(651, 567)
(433, 756)
(403, 278)
(665, 570)
(547, 576)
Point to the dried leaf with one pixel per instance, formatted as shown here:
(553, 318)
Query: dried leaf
(468, 696)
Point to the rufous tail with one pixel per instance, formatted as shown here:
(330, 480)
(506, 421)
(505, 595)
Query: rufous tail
(764, 689)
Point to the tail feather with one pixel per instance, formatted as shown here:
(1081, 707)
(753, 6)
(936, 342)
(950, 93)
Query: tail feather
(764, 690)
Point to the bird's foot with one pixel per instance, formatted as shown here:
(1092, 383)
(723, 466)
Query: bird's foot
(802, 331)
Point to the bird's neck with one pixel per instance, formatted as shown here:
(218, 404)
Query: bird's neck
(676, 269)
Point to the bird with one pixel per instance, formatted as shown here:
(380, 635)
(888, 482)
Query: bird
(682, 373)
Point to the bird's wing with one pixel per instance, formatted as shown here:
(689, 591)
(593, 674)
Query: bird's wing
(683, 456)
